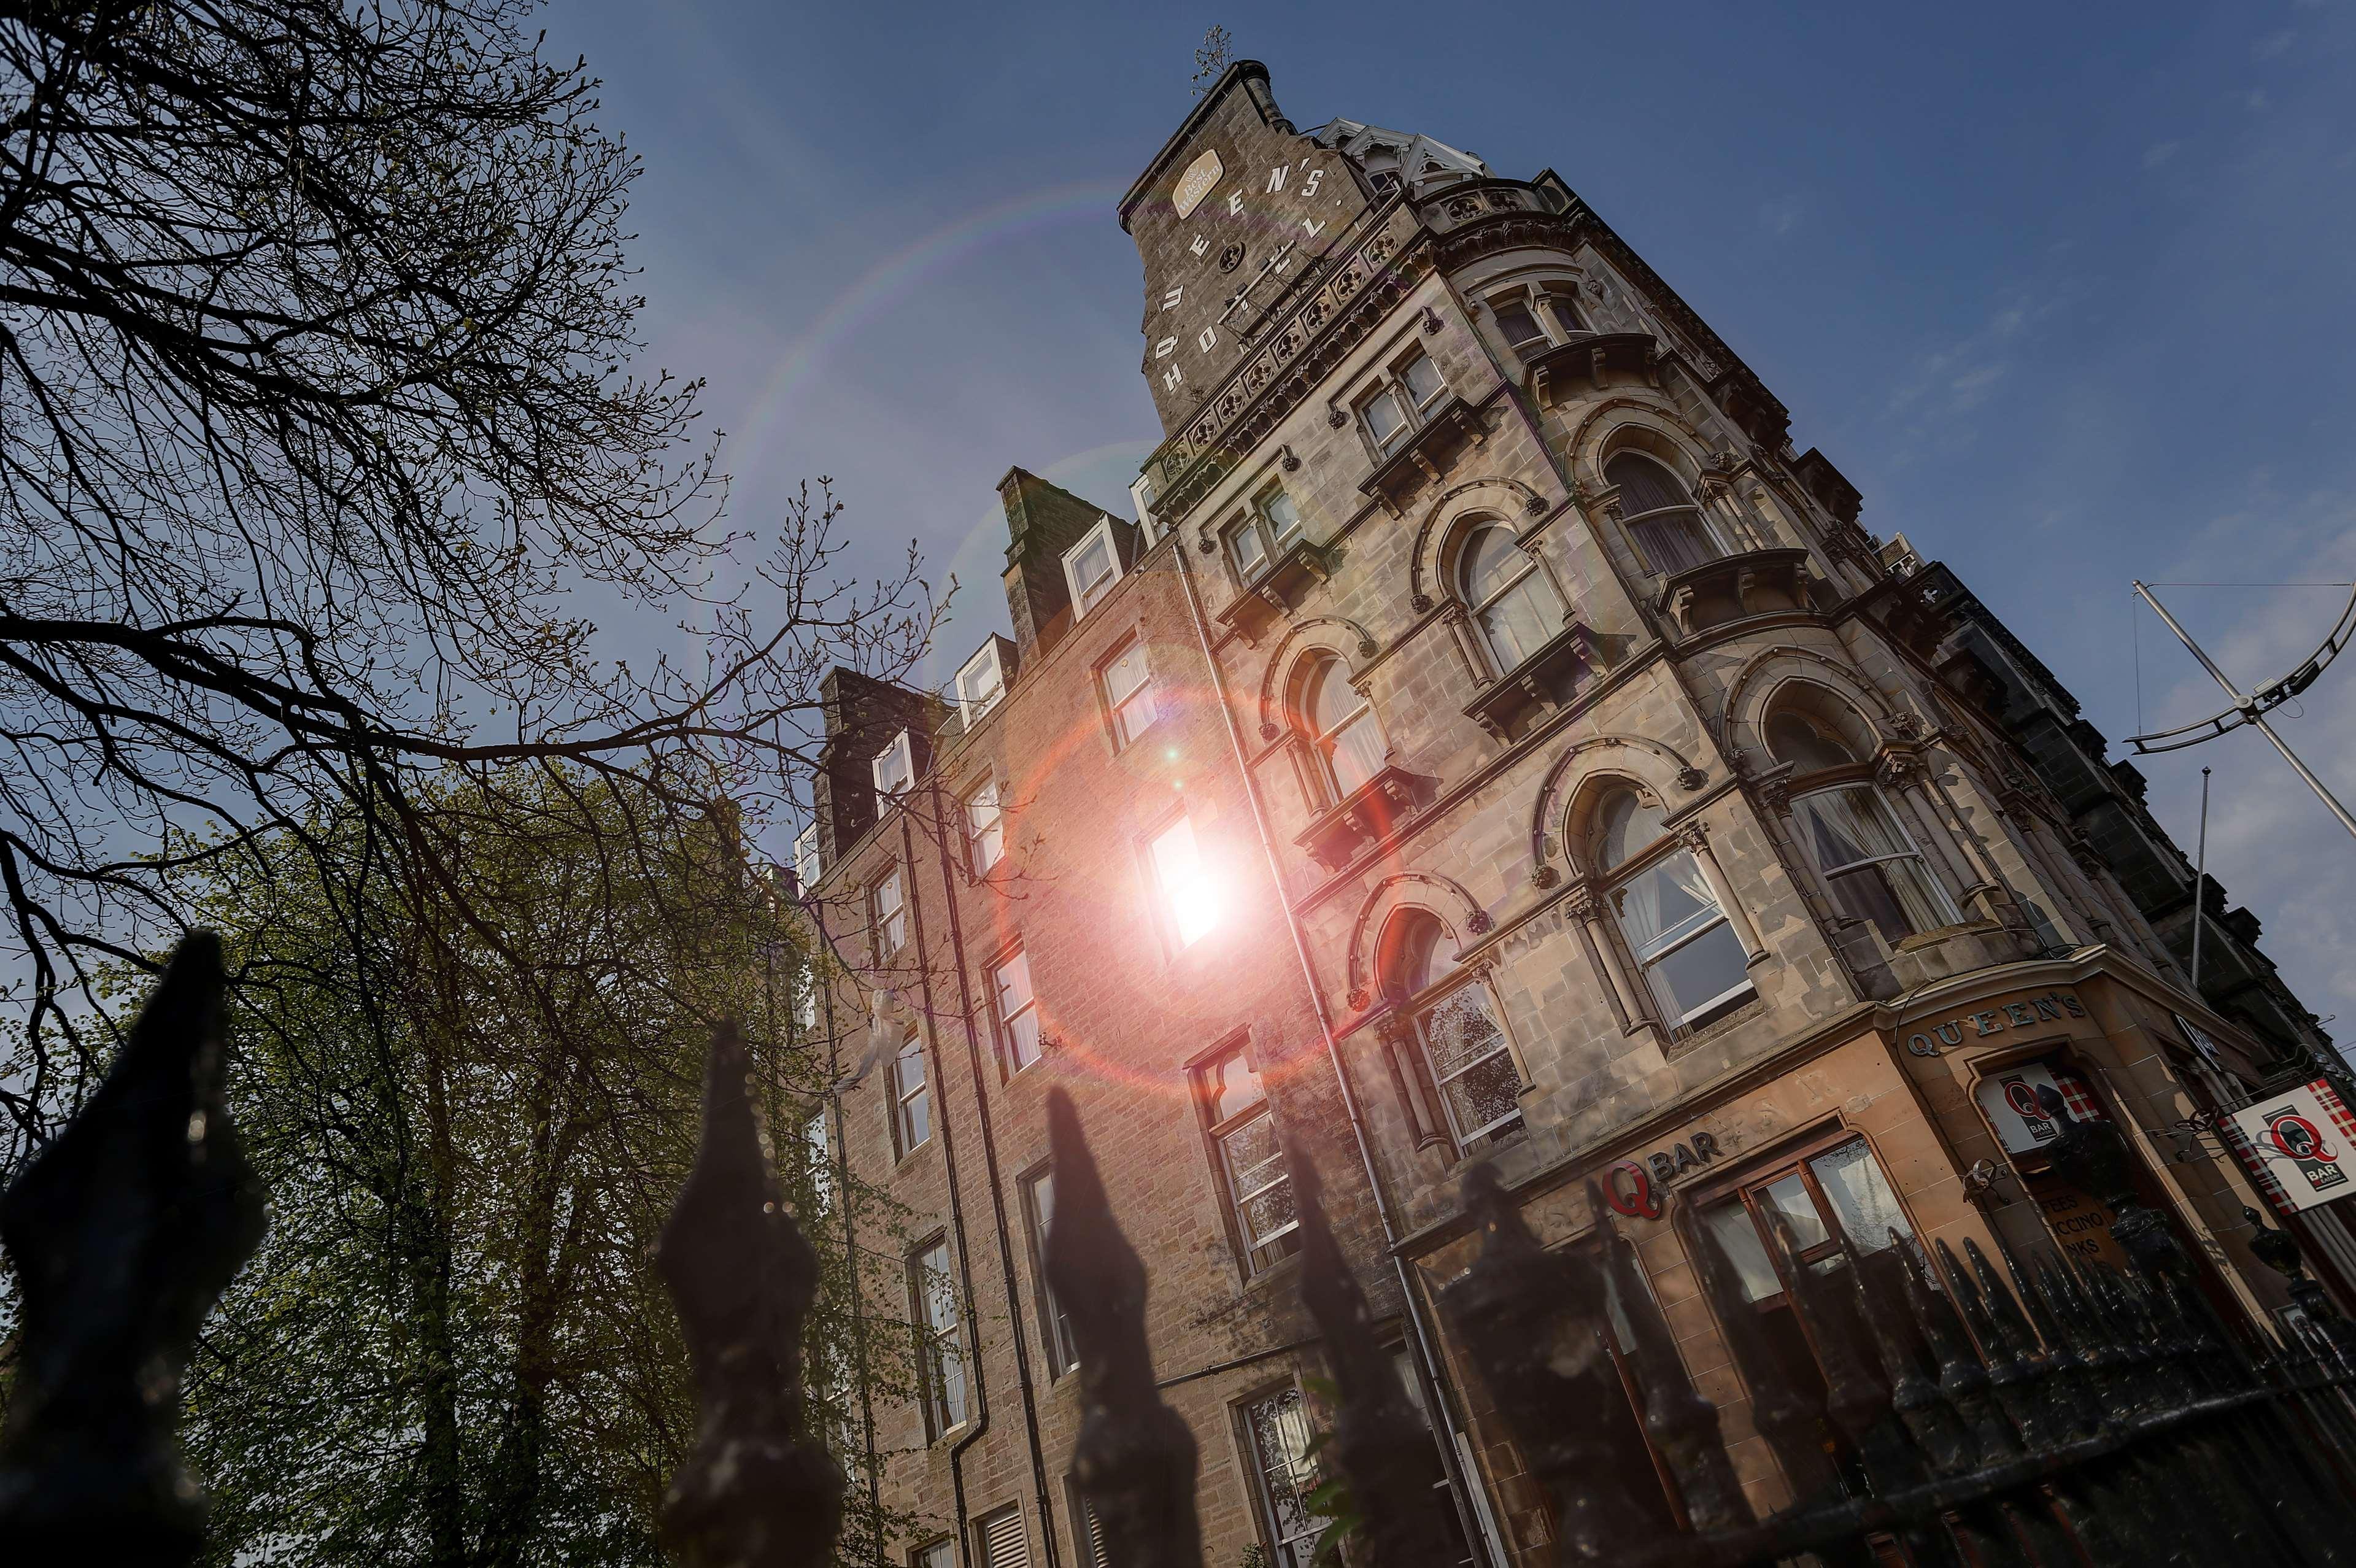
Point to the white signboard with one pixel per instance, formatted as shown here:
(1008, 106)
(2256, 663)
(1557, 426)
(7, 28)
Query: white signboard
(2302, 1139)
(2023, 1121)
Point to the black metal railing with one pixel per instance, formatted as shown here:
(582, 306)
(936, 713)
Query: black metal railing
(1998, 1413)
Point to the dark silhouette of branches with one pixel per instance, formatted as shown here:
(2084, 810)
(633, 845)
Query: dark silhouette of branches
(317, 433)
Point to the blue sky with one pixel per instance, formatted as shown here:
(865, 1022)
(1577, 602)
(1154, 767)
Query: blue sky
(2065, 289)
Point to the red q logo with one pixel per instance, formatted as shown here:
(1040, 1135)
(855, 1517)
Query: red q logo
(2023, 1100)
(2295, 1135)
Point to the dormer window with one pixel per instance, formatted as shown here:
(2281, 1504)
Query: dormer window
(981, 682)
(1142, 493)
(894, 767)
(1091, 567)
(1271, 528)
(1408, 393)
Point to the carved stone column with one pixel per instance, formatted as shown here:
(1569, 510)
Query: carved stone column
(1695, 836)
(1605, 958)
(1402, 1052)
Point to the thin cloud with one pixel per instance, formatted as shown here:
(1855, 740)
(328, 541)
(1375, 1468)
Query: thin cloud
(1780, 217)
(2274, 44)
(2159, 153)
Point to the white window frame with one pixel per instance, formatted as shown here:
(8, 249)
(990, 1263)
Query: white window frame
(1142, 494)
(1538, 299)
(941, 1553)
(1259, 523)
(905, 1095)
(1300, 1549)
(888, 914)
(972, 706)
(984, 833)
(1082, 603)
(1391, 381)
(1122, 736)
(897, 759)
(1442, 995)
(1166, 904)
(992, 1531)
(1896, 821)
(808, 866)
(1480, 610)
(1285, 1240)
(1649, 955)
(1054, 1323)
(1009, 1020)
(941, 1343)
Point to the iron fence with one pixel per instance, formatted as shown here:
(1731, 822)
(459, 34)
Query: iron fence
(1998, 1411)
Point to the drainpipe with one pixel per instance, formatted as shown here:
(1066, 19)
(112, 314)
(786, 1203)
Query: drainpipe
(997, 1192)
(1427, 1363)
(841, 1153)
(980, 1422)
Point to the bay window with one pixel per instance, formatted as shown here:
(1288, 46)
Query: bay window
(1660, 515)
(1406, 395)
(1870, 865)
(1266, 532)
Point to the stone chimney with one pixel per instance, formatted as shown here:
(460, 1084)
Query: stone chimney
(1044, 521)
(864, 715)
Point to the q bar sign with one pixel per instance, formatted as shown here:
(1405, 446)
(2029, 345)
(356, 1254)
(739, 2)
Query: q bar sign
(2306, 1139)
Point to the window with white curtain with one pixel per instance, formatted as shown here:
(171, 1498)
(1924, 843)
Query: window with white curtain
(1472, 1067)
(1871, 866)
(1660, 515)
(1276, 1428)
(1342, 729)
(1271, 528)
(985, 826)
(1018, 1013)
(1692, 961)
(1129, 695)
(1511, 600)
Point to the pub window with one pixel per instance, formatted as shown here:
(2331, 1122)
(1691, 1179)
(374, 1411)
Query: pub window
(1339, 723)
(1839, 1205)
(1660, 515)
(1233, 1109)
(1405, 397)
(940, 1336)
(1276, 1436)
(1471, 1067)
(1870, 864)
(1692, 961)
(1512, 601)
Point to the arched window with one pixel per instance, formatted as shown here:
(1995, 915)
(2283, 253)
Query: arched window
(1870, 865)
(1464, 1051)
(1691, 959)
(1340, 726)
(1512, 601)
(1660, 514)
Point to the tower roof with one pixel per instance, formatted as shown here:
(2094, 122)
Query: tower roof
(1419, 162)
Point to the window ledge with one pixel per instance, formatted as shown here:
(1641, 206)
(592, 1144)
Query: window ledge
(1544, 681)
(1749, 583)
(1362, 817)
(1277, 589)
(1427, 455)
(1552, 373)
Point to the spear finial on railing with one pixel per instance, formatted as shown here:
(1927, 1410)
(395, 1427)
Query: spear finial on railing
(757, 1492)
(1135, 1459)
(126, 1230)
(1384, 1451)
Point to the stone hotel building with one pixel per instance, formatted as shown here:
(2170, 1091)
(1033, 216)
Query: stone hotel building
(1493, 740)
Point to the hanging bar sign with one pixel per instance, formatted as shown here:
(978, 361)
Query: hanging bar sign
(2306, 1139)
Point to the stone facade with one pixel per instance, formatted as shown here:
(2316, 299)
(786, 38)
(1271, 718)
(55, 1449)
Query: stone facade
(1543, 766)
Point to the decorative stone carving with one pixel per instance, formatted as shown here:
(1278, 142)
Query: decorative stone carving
(1776, 794)
(1537, 505)
(1583, 904)
(1336, 418)
(1232, 257)
(1691, 778)
(1479, 923)
(1269, 729)
(1543, 876)
(1430, 321)
(1207, 544)
(1357, 999)
(1695, 836)
(1367, 648)
(1290, 462)
(1908, 723)
(1899, 769)
(1420, 603)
